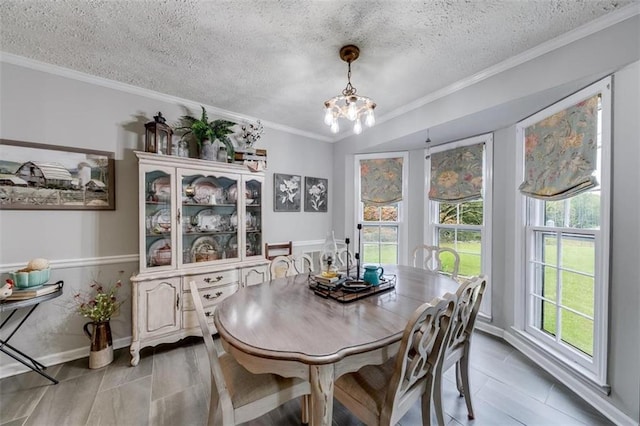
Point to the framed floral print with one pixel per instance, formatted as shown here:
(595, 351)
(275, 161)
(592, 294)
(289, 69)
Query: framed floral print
(315, 194)
(286, 192)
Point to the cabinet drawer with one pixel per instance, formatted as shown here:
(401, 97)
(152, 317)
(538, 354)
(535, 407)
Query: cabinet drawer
(190, 320)
(212, 279)
(210, 296)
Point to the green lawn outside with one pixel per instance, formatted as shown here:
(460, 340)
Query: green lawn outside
(578, 290)
(577, 293)
(470, 260)
(388, 254)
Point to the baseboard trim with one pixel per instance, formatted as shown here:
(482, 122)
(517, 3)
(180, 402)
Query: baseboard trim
(15, 367)
(490, 329)
(586, 392)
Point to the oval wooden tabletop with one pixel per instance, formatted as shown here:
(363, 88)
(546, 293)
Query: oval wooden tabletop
(284, 319)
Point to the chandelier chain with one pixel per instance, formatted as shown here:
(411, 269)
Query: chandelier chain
(349, 90)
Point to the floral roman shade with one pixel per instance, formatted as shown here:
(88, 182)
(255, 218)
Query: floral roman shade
(381, 181)
(561, 153)
(456, 174)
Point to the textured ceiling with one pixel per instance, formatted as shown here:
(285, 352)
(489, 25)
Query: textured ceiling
(278, 60)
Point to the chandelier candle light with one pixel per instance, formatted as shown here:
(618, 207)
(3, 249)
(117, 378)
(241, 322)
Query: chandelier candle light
(349, 105)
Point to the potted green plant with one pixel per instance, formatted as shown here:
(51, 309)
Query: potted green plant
(203, 130)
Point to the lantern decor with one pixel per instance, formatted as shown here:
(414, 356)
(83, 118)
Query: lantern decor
(329, 255)
(158, 135)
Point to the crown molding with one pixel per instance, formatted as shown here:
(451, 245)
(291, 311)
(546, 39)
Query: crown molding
(33, 64)
(562, 40)
(585, 30)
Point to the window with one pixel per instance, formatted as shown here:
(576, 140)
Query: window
(464, 226)
(383, 229)
(562, 303)
(380, 234)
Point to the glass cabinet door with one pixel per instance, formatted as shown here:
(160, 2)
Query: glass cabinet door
(209, 217)
(157, 228)
(253, 216)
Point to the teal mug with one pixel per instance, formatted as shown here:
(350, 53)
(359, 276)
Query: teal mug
(371, 275)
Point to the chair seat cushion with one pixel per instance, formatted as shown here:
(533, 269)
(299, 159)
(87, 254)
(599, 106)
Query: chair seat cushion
(245, 387)
(369, 385)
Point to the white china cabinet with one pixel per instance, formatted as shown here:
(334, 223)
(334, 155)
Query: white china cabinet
(199, 220)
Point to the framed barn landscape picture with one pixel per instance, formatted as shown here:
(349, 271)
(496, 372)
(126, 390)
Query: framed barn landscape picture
(286, 192)
(46, 177)
(315, 194)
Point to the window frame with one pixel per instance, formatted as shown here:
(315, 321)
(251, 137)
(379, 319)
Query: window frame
(527, 217)
(486, 232)
(401, 223)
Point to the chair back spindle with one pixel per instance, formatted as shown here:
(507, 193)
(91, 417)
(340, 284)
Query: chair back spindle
(432, 259)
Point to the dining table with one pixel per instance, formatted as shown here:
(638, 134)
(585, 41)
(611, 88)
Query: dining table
(283, 327)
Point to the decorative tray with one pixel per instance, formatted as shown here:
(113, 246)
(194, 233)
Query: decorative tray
(345, 291)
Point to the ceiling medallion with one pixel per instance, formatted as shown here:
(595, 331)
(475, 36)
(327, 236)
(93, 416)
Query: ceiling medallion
(349, 105)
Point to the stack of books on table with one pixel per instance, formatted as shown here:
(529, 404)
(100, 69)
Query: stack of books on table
(329, 282)
(28, 293)
(256, 158)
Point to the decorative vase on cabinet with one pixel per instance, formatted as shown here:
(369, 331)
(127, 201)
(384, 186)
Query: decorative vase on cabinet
(199, 220)
(208, 150)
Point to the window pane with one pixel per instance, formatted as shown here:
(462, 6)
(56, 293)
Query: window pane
(549, 284)
(388, 253)
(389, 213)
(371, 253)
(578, 253)
(581, 211)
(371, 213)
(447, 238)
(448, 213)
(548, 318)
(585, 210)
(371, 234)
(578, 292)
(471, 213)
(577, 331)
(554, 213)
(468, 244)
(389, 234)
(546, 248)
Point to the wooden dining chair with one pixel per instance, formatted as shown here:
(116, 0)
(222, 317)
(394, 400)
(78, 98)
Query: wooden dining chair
(271, 251)
(345, 256)
(432, 259)
(238, 395)
(282, 266)
(456, 349)
(302, 263)
(382, 394)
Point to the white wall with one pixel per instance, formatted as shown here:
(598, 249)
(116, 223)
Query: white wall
(624, 299)
(615, 49)
(47, 108)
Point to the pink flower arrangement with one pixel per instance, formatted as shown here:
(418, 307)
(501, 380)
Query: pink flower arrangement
(102, 304)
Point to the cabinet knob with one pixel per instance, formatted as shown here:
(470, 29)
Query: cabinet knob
(215, 280)
(208, 313)
(210, 297)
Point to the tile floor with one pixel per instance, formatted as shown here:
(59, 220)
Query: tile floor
(170, 387)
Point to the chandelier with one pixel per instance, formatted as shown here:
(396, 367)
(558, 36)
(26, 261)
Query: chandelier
(349, 105)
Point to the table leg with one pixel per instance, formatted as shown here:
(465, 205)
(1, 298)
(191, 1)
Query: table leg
(17, 354)
(321, 378)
